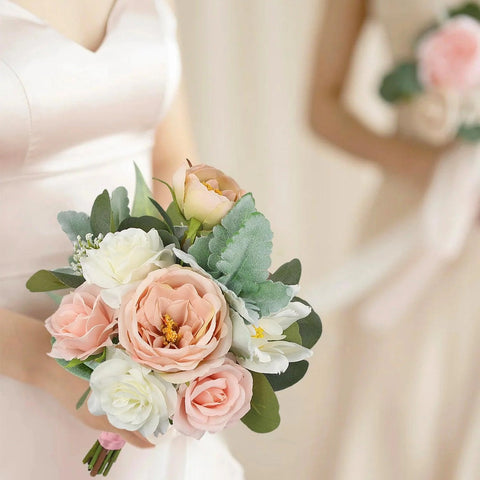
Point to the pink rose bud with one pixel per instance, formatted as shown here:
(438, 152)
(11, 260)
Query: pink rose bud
(214, 401)
(82, 325)
(176, 322)
(205, 193)
(449, 58)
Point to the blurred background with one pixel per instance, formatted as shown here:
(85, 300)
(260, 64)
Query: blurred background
(247, 69)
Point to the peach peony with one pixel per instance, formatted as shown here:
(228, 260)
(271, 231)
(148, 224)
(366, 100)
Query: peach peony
(205, 193)
(449, 58)
(82, 325)
(176, 322)
(214, 401)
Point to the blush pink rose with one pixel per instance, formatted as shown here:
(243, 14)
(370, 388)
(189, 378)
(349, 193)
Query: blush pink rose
(176, 322)
(214, 401)
(205, 193)
(82, 325)
(449, 58)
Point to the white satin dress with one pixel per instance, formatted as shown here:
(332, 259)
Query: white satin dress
(72, 122)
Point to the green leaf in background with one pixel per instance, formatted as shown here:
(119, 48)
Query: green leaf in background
(82, 399)
(101, 217)
(74, 224)
(46, 280)
(263, 416)
(469, 133)
(471, 9)
(294, 373)
(141, 201)
(119, 204)
(176, 215)
(289, 273)
(401, 84)
(310, 327)
(145, 223)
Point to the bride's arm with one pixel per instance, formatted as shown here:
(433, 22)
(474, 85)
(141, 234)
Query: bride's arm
(24, 343)
(342, 24)
(173, 145)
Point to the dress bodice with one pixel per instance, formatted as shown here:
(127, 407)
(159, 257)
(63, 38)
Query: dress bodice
(72, 123)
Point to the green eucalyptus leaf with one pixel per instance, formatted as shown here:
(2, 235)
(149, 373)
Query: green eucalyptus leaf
(310, 326)
(193, 227)
(145, 223)
(469, 133)
(82, 399)
(263, 416)
(401, 84)
(74, 224)
(163, 213)
(294, 373)
(169, 239)
(176, 215)
(119, 203)
(101, 217)
(46, 280)
(292, 334)
(289, 273)
(141, 201)
(81, 370)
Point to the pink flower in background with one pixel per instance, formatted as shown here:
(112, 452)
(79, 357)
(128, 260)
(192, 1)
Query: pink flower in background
(450, 56)
(214, 401)
(205, 193)
(82, 325)
(176, 322)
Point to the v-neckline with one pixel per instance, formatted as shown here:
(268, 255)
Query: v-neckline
(78, 45)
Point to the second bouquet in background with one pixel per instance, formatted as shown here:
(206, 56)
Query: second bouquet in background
(173, 317)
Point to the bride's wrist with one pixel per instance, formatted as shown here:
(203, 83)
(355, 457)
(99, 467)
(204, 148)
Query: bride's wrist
(24, 344)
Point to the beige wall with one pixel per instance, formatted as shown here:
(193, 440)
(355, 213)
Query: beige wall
(246, 66)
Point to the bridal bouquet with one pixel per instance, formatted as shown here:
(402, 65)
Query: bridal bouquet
(444, 75)
(173, 317)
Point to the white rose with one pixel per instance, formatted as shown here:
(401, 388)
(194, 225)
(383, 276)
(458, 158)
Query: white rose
(133, 397)
(122, 260)
(262, 348)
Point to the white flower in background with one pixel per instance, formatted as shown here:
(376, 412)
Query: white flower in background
(262, 348)
(123, 259)
(133, 397)
(433, 116)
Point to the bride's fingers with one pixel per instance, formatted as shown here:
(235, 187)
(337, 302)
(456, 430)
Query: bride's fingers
(135, 439)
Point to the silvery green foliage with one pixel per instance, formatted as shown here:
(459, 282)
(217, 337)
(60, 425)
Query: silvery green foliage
(74, 224)
(237, 255)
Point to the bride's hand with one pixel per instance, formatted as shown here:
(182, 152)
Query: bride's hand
(24, 343)
(67, 389)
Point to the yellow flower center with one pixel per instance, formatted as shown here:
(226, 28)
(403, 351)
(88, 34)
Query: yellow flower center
(259, 332)
(170, 330)
(210, 188)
